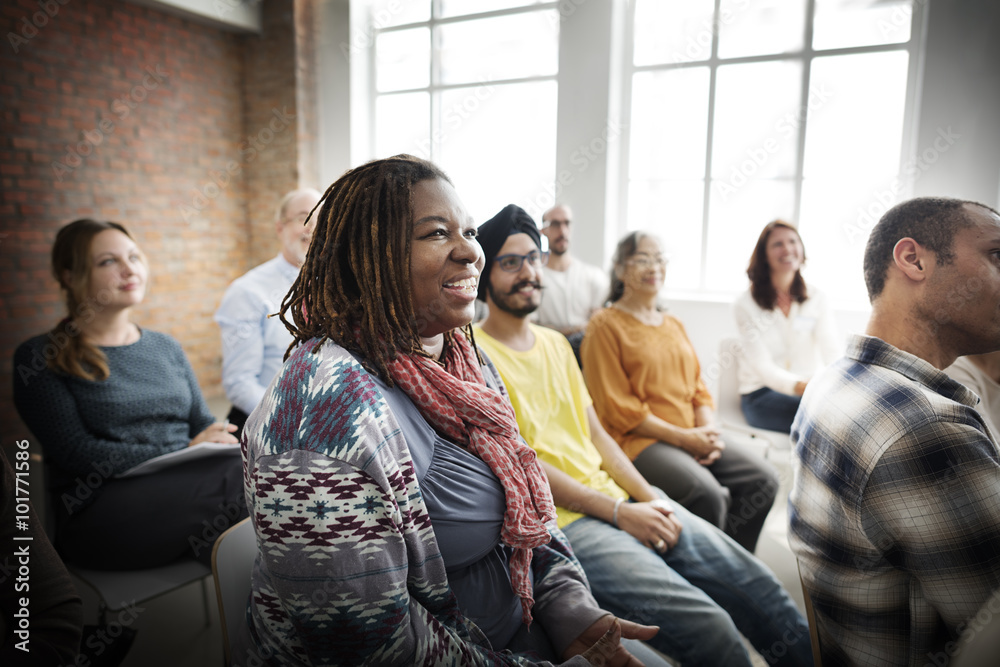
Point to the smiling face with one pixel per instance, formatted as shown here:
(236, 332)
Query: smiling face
(516, 292)
(293, 234)
(445, 259)
(118, 271)
(644, 270)
(784, 251)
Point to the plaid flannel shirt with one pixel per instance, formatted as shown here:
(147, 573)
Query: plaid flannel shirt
(895, 512)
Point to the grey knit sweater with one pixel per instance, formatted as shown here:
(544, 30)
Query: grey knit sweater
(150, 404)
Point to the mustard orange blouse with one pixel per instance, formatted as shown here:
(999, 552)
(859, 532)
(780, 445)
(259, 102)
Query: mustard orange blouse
(634, 369)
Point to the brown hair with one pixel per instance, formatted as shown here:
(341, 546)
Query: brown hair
(71, 266)
(759, 271)
(354, 286)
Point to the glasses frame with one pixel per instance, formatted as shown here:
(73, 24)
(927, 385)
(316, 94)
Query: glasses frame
(541, 259)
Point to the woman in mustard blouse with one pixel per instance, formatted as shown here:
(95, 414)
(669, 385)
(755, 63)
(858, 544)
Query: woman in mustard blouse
(645, 380)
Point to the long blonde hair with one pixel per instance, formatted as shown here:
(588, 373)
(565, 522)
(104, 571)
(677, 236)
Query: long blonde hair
(71, 266)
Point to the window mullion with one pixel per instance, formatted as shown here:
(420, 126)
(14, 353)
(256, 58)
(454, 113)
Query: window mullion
(803, 115)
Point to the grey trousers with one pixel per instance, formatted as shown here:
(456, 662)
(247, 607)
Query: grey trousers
(735, 493)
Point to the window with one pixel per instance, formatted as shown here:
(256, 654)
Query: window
(472, 86)
(745, 111)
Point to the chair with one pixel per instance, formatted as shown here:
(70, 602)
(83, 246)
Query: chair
(811, 618)
(232, 562)
(729, 410)
(117, 589)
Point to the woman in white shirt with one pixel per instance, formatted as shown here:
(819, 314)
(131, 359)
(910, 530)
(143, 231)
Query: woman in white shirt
(786, 331)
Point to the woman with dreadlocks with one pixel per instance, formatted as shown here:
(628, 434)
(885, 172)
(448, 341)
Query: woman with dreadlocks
(400, 517)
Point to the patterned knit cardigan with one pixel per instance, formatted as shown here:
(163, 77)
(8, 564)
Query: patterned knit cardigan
(348, 570)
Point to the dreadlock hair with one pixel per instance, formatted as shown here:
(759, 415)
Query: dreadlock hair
(354, 286)
(623, 251)
(759, 271)
(71, 266)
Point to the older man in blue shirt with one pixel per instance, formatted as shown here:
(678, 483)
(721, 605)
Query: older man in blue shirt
(895, 512)
(253, 346)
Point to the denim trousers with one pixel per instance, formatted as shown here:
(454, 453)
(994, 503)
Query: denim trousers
(767, 408)
(702, 593)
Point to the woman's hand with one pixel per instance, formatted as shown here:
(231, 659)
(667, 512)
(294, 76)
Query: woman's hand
(601, 644)
(652, 523)
(703, 443)
(217, 432)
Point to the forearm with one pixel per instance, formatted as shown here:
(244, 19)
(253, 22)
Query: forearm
(616, 463)
(653, 427)
(574, 496)
(704, 416)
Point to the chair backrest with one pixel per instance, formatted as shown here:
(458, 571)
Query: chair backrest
(811, 618)
(232, 564)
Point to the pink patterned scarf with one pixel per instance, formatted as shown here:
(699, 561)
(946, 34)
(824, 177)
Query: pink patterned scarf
(460, 407)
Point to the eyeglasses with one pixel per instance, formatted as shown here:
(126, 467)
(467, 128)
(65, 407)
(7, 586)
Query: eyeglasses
(644, 263)
(513, 263)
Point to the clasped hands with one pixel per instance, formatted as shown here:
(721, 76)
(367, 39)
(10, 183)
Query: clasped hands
(653, 523)
(704, 443)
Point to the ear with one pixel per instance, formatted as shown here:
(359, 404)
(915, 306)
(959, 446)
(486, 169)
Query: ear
(278, 224)
(912, 259)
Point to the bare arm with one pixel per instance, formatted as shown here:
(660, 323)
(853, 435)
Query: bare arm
(616, 464)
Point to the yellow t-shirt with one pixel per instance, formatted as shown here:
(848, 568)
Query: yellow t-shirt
(550, 399)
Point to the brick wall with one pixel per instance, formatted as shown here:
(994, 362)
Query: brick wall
(117, 111)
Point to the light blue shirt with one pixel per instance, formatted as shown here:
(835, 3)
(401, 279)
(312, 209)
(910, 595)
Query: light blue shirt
(253, 345)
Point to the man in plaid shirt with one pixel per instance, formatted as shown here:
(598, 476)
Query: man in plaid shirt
(895, 512)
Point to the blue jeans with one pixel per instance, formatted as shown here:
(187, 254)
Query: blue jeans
(770, 409)
(700, 593)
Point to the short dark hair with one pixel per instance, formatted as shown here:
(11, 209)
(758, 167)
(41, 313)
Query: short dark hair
(759, 271)
(354, 286)
(930, 221)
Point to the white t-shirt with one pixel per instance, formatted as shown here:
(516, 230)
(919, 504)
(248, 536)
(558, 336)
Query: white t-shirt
(778, 351)
(570, 296)
(986, 389)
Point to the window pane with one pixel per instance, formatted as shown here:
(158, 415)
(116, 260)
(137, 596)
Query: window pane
(734, 225)
(755, 140)
(402, 125)
(492, 167)
(402, 59)
(500, 48)
(855, 116)
(459, 7)
(844, 23)
(837, 217)
(387, 13)
(669, 124)
(760, 27)
(673, 32)
(673, 211)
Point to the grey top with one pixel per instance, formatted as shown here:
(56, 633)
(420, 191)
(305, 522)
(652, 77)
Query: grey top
(466, 504)
(149, 405)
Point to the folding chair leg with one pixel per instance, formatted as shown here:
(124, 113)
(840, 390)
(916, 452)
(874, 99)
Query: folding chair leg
(204, 600)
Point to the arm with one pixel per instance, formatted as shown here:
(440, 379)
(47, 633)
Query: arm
(240, 317)
(753, 324)
(49, 409)
(617, 406)
(617, 465)
(932, 508)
